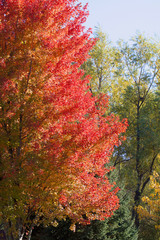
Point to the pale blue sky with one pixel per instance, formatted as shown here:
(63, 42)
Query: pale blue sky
(120, 19)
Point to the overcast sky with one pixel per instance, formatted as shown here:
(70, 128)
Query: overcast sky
(121, 19)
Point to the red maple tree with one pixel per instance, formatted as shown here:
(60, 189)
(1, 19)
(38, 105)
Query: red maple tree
(54, 138)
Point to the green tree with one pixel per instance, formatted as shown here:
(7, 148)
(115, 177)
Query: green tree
(132, 82)
(100, 64)
(140, 67)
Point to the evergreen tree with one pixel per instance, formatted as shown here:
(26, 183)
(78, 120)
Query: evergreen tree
(120, 226)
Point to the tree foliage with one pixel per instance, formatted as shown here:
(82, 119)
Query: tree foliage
(54, 138)
(100, 65)
(151, 208)
(140, 63)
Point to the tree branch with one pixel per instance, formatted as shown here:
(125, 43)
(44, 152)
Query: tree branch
(150, 172)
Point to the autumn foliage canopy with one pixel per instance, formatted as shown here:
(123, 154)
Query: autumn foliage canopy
(54, 136)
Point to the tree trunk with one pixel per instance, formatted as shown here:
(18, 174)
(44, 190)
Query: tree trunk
(137, 196)
(137, 199)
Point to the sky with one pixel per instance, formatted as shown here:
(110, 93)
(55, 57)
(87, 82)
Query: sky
(121, 19)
